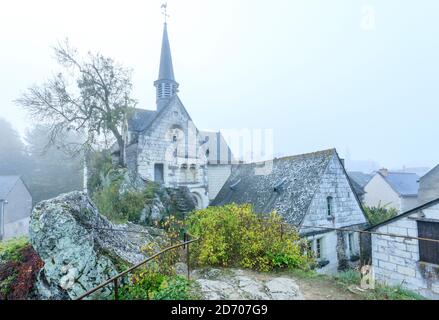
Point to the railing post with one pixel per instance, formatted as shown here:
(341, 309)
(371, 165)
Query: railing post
(188, 261)
(116, 290)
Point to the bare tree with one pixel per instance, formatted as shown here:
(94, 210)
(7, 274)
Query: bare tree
(91, 96)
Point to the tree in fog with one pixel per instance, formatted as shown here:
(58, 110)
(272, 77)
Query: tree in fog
(51, 171)
(91, 95)
(13, 158)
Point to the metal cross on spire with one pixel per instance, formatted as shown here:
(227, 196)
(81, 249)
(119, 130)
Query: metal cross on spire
(165, 10)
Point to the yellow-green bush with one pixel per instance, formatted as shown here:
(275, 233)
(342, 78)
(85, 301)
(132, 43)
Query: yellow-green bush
(234, 236)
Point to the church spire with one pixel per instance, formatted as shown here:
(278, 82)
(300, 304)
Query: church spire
(166, 86)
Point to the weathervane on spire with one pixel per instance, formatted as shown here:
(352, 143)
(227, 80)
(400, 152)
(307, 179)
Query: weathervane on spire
(165, 10)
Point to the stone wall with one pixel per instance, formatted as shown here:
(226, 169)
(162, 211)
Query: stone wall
(396, 260)
(183, 164)
(346, 212)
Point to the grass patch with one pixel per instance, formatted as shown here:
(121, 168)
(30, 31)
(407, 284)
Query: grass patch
(381, 292)
(393, 293)
(306, 274)
(348, 278)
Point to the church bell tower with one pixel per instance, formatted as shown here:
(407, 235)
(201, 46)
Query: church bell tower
(166, 86)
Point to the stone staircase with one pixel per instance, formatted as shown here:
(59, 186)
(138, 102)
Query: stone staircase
(183, 201)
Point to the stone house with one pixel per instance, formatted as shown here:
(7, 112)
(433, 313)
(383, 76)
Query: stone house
(397, 190)
(409, 262)
(15, 207)
(429, 186)
(310, 191)
(165, 146)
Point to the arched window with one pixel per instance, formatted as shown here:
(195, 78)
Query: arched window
(330, 206)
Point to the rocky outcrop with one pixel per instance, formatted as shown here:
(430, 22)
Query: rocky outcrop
(81, 248)
(215, 284)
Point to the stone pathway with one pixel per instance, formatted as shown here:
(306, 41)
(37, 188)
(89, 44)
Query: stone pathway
(233, 284)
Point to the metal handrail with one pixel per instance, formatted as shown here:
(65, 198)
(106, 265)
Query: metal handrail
(115, 279)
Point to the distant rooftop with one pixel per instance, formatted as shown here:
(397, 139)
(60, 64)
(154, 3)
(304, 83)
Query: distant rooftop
(7, 183)
(404, 183)
(360, 178)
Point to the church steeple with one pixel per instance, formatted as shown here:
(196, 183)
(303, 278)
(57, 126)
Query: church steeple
(166, 86)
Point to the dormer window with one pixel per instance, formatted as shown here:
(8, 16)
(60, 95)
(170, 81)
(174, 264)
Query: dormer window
(280, 186)
(234, 186)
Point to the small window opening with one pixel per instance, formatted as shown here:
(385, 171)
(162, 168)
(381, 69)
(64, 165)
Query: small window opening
(330, 206)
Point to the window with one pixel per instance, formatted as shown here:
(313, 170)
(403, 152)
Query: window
(330, 206)
(159, 175)
(319, 249)
(428, 250)
(352, 245)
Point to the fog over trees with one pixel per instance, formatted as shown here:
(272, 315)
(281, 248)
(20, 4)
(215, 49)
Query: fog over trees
(47, 171)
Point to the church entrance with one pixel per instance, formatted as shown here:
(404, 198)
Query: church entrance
(159, 175)
(198, 200)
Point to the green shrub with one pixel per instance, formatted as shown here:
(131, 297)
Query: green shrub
(148, 284)
(10, 249)
(175, 288)
(376, 215)
(234, 236)
(124, 207)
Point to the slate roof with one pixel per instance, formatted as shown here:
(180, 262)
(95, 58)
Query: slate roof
(359, 190)
(7, 183)
(360, 178)
(288, 189)
(432, 171)
(166, 68)
(405, 184)
(141, 119)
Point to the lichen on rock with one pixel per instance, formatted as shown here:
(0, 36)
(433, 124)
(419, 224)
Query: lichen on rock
(81, 248)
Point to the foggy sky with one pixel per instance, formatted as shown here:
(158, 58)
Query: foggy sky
(311, 70)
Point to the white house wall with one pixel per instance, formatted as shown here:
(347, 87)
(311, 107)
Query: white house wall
(17, 211)
(380, 193)
(346, 210)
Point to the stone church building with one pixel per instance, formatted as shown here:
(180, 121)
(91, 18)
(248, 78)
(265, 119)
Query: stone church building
(165, 146)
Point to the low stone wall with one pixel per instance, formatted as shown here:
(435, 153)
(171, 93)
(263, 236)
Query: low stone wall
(396, 260)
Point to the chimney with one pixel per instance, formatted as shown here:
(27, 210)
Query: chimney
(384, 172)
